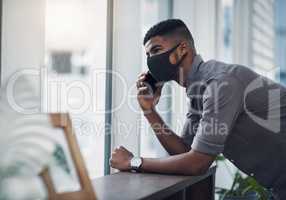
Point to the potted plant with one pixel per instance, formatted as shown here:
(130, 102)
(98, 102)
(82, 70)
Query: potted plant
(243, 188)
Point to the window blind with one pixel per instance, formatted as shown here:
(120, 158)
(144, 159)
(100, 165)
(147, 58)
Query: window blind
(262, 37)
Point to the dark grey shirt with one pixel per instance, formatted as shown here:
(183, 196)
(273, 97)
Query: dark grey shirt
(241, 114)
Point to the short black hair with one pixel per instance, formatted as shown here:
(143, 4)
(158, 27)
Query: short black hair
(169, 27)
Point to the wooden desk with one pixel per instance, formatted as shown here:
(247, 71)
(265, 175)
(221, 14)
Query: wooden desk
(132, 186)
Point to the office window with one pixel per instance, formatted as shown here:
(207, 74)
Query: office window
(1, 42)
(152, 12)
(225, 31)
(262, 36)
(280, 30)
(75, 58)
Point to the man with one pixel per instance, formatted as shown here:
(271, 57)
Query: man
(232, 110)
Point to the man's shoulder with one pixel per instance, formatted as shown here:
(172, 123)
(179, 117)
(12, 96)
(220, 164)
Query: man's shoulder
(219, 70)
(220, 66)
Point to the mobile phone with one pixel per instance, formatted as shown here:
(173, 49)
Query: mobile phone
(151, 82)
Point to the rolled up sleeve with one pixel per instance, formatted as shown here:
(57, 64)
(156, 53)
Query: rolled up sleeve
(189, 129)
(222, 102)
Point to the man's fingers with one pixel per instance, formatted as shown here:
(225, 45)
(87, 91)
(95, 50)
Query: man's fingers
(122, 147)
(145, 93)
(143, 90)
(139, 84)
(111, 162)
(140, 81)
(142, 74)
(142, 78)
(116, 150)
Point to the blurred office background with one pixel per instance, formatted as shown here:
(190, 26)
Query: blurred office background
(74, 42)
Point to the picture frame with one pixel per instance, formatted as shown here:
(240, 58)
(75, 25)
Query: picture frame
(60, 120)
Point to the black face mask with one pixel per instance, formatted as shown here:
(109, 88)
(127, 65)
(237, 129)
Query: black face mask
(161, 68)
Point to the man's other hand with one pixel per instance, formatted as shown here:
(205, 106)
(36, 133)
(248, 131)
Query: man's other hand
(120, 159)
(146, 99)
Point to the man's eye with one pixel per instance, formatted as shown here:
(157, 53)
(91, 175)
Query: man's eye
(155, 51)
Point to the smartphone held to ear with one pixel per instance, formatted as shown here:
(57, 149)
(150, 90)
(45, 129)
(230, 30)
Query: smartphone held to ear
(151, 82)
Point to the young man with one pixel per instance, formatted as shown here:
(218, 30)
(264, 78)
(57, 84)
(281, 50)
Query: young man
(232, 110)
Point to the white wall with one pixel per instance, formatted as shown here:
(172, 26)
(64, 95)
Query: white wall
(23, 35)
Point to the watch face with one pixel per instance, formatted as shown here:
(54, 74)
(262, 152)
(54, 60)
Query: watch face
(136, 162)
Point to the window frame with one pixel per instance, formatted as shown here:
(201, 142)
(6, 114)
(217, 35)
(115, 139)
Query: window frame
(1, 11)
(108, 87)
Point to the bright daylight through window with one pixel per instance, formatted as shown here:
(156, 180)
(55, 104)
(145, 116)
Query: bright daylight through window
(75, 81)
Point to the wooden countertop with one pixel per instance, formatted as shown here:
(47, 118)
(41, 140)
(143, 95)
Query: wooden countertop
(132, 186)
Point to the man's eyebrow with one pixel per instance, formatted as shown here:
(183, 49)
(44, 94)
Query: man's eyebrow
(155, 46)
(152, 48)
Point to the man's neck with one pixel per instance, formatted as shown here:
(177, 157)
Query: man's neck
(185, 70)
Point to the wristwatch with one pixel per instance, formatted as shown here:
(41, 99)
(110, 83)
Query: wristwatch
(136, 163)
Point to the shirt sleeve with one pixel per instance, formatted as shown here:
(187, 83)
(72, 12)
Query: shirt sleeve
(190, 128)
(222, 101)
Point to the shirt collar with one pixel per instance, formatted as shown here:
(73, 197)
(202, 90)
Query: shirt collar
(193, 74)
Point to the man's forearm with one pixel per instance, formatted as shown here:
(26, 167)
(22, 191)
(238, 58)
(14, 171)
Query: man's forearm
(170, 141)
(190, 163)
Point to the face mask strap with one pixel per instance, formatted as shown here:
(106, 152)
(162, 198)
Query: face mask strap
(179, 62)
(183, 57)
(168, 51)
(173, 49)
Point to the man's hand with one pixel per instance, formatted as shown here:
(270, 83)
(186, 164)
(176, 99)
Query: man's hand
(146, 99)
(120, 159)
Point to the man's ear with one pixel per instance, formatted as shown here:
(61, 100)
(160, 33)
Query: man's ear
(183, 49)
(179, 53)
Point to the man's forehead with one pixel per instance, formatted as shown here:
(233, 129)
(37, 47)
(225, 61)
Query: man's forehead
(157, 40)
